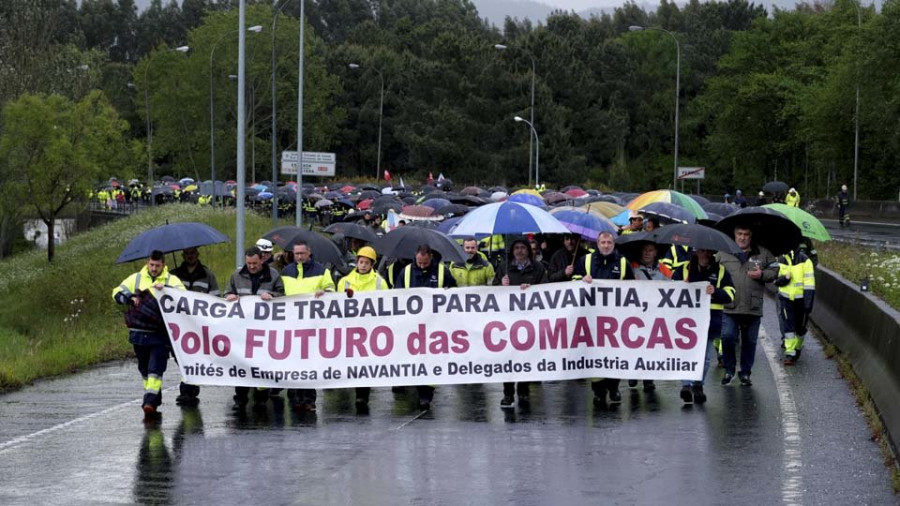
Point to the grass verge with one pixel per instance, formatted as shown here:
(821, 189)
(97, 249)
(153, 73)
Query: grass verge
(59, 318)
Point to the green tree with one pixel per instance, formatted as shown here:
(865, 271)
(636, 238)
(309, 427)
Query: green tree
(54, 149)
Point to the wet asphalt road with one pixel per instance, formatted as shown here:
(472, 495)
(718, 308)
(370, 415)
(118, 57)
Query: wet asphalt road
(81, 440)
(869, 232)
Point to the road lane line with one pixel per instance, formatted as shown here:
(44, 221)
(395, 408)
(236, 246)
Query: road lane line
(413, 419)
(792, 466)
(12, 443)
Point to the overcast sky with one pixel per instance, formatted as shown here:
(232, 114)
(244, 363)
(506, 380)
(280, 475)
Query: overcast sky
(577, 5)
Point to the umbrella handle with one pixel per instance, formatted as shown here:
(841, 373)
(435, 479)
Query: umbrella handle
(575, 253)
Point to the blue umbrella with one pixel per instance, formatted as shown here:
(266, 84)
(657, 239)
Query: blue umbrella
(527, 198)
(585, 224)
(171, 237)
(509, 218)
(447, 226)
(622, 218)
(264, 195)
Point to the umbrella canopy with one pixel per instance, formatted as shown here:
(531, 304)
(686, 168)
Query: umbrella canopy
(711, 220)
(471, 190)
(613, 199)
(436, 203)
(323, 250)
(498, 196)
(403, 242)
(369, 186)
(631, 245)
(418, 211)
(668, 213)
(447, 226)
(528, 191)
(383, 207)
(509, 218)
(553, 198)
(570, 187)
(809, 225)
(526, 198)
(777, 187)
(720, 208)
(576, 192)
(347, 189)
(167, 179)
(770, 228)
(585, 224)
(323, 203)
(560, 209)
(333, 195)
(696, 236)
(670, 196)
(264, 195)
(352, 230)
(607, 209)
(170, 237)
(452, 209)
(699, 199)
(364, 204)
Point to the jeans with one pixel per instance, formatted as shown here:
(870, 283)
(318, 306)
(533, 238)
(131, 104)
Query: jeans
(710, 348)
(747, 326)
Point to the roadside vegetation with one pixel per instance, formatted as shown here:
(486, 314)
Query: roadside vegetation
(882, 268)
(59, 317)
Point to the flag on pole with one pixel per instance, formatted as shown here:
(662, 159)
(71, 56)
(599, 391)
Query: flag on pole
(402, 184)
(441, 176)
(387, 175)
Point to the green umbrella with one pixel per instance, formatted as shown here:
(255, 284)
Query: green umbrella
(809, 225)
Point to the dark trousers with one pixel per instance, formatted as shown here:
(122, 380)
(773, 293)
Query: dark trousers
(743, 327)
(520, 389)
(601, 386)
(426, 392)
(362, 393)
(152, 361)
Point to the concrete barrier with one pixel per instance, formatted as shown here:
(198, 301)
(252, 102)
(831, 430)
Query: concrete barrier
(867, 331)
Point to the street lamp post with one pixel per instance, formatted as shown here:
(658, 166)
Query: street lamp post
(533, 73)
(274, 117)
(355, 66)
(856, 115)
(299, 212)
(537, 150)
(212, 110)
(180, 49)
(635, 28)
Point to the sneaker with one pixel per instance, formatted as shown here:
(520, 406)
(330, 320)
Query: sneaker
(797, 356)
(240, 400)
(187, 400)
(745, 380)
(726, 380)
(309, 407)
(790, 360)
(398, 390)
(507, 401)
(686, 395)
(699, 396)
(614, 396)
(649, 386)
(632, 383)
(362, 401)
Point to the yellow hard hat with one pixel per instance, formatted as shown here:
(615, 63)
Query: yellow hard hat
(366, 251)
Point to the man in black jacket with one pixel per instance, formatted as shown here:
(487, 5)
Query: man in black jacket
(605, 263)
(562, 263)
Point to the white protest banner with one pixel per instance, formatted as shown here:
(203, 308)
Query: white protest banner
(559, 331)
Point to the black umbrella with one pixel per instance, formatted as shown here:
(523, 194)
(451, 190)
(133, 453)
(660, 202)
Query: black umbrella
(452, 209)
(696, 236)
(699, 199)
(720, 208)
(776, 187)
(171, 237)
(631, 245)
(711, 219)
(403, 242)
(323, 250)
(668, 213)
(369, 186)
(770, 228)
(384, 207)
(352, 230)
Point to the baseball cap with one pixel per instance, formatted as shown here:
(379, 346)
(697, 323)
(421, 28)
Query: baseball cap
(264, 245)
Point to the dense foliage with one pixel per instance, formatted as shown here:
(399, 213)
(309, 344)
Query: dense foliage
(761, 96)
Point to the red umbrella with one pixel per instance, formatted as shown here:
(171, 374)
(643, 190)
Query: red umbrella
(347, 189)
(421, 211)
(576, 192)
(174, 187)
(364, 204)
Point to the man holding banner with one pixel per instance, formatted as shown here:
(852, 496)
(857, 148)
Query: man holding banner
(254, 278)
(605, 263)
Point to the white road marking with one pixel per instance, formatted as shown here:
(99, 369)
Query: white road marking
(792, 466)
(12, 443)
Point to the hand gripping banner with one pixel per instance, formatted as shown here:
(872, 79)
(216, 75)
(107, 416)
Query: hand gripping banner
(559, 331)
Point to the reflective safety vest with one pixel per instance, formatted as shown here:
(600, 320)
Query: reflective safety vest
(311, 284)
(793, 201)
(729, 290)
(407, 275)
(677, 257)
(623, 264)
(362, 282)
(803, 275)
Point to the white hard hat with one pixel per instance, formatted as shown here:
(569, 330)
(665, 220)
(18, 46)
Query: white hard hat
(844, 187)
(792, 190)
(264, 245)
(761, 194)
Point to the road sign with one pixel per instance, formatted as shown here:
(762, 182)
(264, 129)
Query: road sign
(314, 163)
(688, 172)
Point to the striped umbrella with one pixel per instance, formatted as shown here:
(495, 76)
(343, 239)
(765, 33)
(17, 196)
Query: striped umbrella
(670, 196)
